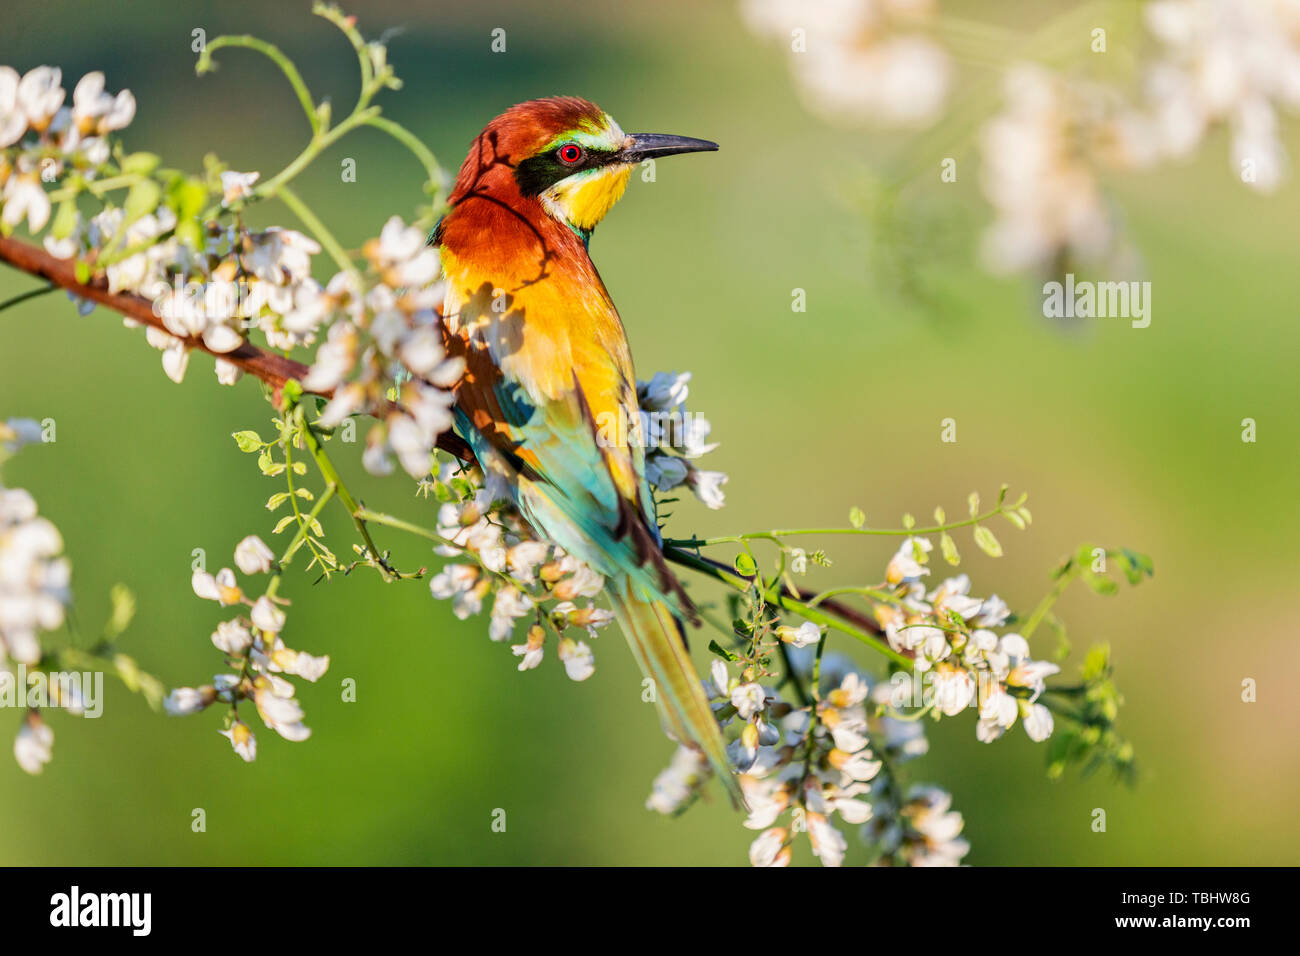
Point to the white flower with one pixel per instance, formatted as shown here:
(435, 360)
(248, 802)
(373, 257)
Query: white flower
(767, 800)
(13, 119)
(95, 112)
(266, 616)
(907, 564)
(252, 556)
(748, 699)
(188, 700)
(664, 392)
(301, 664)
(665, 472)
(236, 186)
(855, 766)
(954, 595)
(40, 95)
(402, 256)
(769, 848)
(1038, 721)
(584, 582)
(232, 637)
(510, 605)
(33, 745)
(676, 785)
(530, 651)
(805, 635)
(993, 612)
(242, 740)
(25, 198)
(707, 486)
(828, 844)
(281, 714)
(954, 689)
(222, 588)
(856, 65)
(579, 662)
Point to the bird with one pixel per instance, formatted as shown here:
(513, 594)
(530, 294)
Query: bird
(548, 401)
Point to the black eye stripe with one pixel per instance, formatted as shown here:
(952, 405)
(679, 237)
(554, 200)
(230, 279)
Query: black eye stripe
(538, 173)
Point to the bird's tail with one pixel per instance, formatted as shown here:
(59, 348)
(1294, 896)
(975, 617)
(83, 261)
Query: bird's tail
(656, 640)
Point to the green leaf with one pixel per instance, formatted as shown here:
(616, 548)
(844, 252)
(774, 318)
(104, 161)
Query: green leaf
(282, 524)
(140, 164)
(949, 549)
(909, 522)
(248, 441)
(65, 220)
(123, 602)
(82, 271)
(1025, 515)
(189, 232)
(1015, 519)
(745, 565)
(141, 199)
(277, 499)
(857, 517)
(974, 502)
(987, 541)
(1100, 583)
(939, 515)
(722, 652)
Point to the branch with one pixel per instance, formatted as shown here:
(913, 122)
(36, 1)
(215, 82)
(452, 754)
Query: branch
(267, 366)
(275, 370)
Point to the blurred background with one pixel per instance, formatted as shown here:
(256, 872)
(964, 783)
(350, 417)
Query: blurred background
(1122, 437)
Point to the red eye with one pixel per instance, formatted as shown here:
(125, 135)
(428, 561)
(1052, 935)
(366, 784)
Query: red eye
(570, 153)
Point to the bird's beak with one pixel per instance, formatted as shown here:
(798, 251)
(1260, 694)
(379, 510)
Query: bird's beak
(642, 146)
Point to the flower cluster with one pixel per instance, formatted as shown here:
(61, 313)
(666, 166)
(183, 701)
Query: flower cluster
(1229, 63)
(1039, 172)
(389, 338)
(675, 438)
(817, 767)
(949, 634)
(34, 589)
(860, 60)
(525, 578)
(1212, 64)
(259, 660)
(51, 138)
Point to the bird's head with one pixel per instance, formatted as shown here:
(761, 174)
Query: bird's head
(565, 153)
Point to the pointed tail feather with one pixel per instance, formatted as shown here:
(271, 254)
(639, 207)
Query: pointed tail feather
(656, 642)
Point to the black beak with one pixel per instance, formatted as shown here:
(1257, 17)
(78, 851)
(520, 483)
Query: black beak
(654, 145)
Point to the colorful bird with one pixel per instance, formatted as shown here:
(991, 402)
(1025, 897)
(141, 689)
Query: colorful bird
(548, 402)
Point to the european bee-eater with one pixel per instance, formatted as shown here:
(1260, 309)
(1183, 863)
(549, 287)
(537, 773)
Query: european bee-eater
(549, 368)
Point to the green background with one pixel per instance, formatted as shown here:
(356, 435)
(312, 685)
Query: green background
(1121, 436)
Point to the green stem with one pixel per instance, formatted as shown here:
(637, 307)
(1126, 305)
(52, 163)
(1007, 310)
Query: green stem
(1045, 605)
(775, 535)
(96, 188)
(331, 475)
(773, 596)
(274, 54)
(318, 229)
(411, 142)
(319, 143)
